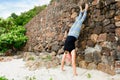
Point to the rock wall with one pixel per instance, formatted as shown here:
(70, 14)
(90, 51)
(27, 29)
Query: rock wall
(98, 46)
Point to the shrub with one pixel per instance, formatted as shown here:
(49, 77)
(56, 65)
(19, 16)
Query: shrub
(14, 38)
(3, 78)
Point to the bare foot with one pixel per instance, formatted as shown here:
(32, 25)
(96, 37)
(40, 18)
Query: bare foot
(81, 9)
(95, 2)
(86, 6)
(62, 69)
(75, 74)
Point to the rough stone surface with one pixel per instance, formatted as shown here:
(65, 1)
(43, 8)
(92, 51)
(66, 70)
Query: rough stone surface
(97, 57)
(90, 43)
(47, 60)
(94, 37)
(117, 32)
(102, 37)
(106, 22)
(109, 28)
(89, 57)
(117, 18)
(117, 24)
(83, 64)
(111, 37)
(91, 66)
(106, 68)
(47, 30)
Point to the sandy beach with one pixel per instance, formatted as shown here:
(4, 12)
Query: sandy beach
(16, 70)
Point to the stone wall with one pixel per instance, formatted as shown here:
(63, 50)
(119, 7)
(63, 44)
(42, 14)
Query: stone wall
(98, 45)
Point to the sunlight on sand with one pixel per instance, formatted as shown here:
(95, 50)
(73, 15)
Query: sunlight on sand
(16, 70)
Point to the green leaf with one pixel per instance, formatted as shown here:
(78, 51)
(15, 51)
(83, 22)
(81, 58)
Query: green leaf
(88, 75)
(3, 78)
(51, 78)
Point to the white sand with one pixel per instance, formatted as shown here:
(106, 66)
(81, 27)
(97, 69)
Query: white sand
(16, 70)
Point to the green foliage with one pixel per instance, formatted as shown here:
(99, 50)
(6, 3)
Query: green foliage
(52, 1)
(51, 78)
(3, 78)
(47, 58)
(31, 78)
(31, 58)
(88, 75)
(14, 38)
(26, 16)
(12, 31)
(2, 30)
(14, 16)
(6, 24)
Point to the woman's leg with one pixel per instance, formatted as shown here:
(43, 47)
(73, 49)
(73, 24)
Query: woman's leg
(83, 17)
(73, 53)
(80, 14)
(84, 14)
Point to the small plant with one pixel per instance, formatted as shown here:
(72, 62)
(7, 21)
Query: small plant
(31, 78)
(51, 78)
(31, 58)
(1, 53)
(47, 58)
(88, 75)
(3, 78)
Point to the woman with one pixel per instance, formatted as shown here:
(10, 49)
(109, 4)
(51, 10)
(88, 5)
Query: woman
(73, 35)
